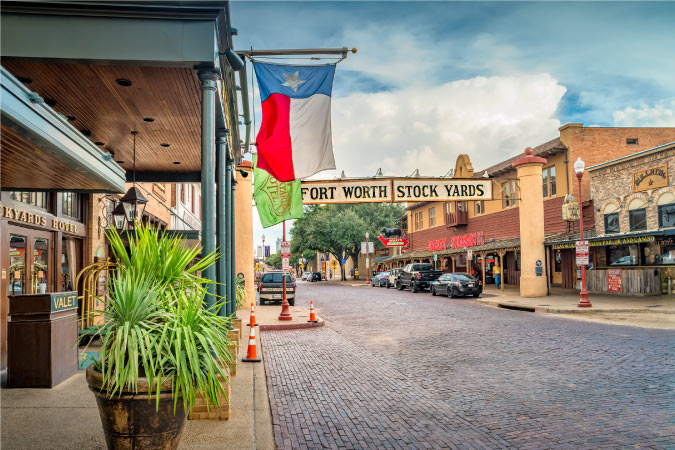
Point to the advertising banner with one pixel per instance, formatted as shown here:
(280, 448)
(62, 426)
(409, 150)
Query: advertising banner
(614, 280)
(582, 253)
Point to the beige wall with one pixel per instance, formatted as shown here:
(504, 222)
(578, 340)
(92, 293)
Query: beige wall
(243, 206)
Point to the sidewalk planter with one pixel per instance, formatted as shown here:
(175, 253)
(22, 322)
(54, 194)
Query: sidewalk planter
(202, 411)
(130, 420)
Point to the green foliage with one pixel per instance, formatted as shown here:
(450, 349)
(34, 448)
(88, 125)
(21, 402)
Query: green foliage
(274, 260)
(340, 229)
(155, 324)
(242, 294)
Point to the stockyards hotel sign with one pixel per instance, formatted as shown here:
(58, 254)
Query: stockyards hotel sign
(654, 177)
(395, 190)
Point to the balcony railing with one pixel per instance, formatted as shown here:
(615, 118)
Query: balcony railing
(457, 219)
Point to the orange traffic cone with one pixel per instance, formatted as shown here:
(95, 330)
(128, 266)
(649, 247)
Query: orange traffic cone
(252, 351)
(252, 322)
(312, 316)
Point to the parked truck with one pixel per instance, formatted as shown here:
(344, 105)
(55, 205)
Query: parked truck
(417, 276)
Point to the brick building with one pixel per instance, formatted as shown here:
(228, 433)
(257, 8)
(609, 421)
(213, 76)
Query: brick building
(491, 229)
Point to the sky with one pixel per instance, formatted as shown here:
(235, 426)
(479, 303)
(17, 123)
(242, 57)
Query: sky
(432, 80)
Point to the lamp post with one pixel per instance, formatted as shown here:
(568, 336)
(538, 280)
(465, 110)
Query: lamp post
(285, 306)
(367, 260)
(263, 256)
(583, 298)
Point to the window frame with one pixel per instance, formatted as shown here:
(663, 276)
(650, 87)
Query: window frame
(618, 222)
(631, 223)
(479, 207)
(432, 217)
(660, 209)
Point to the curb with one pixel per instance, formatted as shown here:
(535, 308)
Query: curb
(291, 326)
(544, 309)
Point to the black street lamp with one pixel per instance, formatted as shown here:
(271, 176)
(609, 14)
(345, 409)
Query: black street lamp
(119, 216)
(134, 201)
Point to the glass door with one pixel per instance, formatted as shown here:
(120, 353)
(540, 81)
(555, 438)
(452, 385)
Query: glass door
(29, 261)
(18, 282)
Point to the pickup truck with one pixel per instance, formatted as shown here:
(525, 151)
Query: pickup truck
(417, 276)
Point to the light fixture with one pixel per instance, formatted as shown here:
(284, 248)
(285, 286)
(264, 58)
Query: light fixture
(123, 82)
(24, 80)
(99, 143)
(243, 173)
(119, 216)
(164, 145)
(134, 201)
(176, 162)
(148, 119)
(71, 118)
(579, 166)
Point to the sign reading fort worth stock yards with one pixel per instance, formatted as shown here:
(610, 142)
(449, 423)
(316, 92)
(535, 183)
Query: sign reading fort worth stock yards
(395, 190)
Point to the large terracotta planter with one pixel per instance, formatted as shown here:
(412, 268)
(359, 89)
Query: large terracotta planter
(130, 421)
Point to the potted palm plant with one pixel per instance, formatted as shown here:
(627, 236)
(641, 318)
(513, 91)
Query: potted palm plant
(161, 347)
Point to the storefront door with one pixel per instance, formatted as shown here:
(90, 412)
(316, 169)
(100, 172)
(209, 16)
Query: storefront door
(27, 254)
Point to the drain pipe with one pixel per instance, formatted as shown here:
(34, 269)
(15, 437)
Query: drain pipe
(243, 83)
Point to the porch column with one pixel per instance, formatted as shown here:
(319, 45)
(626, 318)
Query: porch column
(207, 80)
(483, 257)
(228, 230)
(531, 210)
(221, 225)
(452, 259)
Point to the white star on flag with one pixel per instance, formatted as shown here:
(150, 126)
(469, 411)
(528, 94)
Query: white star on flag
(292, 81)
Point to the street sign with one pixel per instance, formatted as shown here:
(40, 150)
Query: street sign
(257, 267)
(285, 264)
(259, 252)
(371, 247)
(435, 258)
(394, 242)
(334, 263)
(582, 253)
(285, 249)
(302, 266)
(469, 254)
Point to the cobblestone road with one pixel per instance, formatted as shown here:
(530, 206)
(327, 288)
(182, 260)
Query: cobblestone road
(401, 370)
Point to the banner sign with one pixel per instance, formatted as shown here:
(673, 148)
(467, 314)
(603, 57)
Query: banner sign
(614, 280)
(285, 249)
(605, 242)
(372, 190)
(654, 177)
(393, 242)
(468, 240)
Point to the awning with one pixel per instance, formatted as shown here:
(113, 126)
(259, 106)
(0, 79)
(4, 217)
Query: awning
(40, 150)
(627, 238)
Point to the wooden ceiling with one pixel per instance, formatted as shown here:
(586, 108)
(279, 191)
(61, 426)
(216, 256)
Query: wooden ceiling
(25, 164)
(90, 94)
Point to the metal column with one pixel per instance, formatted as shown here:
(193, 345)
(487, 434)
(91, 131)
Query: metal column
(208, 86)
(227, 252)
(221, 222)
(233, 248)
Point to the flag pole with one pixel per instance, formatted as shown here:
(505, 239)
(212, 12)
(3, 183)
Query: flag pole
(298, 51)
(285, 310)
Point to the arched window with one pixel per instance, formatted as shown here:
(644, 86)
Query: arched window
(666, 205)
(612, 219)
(637, 214)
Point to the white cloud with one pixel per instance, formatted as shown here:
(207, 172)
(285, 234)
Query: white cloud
(491, 119)
(659, 115)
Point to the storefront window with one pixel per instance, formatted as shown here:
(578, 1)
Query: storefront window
(558, 261)
(37, 199)
(70, 205)
(658, 253)
(612, 223)
(17, 265)
(620, 255)
(71, 262)
(638, 219)
(667, 216)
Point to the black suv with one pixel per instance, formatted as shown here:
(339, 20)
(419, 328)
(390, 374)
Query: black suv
(271, 288)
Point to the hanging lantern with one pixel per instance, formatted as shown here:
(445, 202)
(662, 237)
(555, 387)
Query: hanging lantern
(119, 216)
(133, 203)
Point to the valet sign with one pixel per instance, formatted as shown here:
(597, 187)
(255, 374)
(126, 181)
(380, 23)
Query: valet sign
(582, 253)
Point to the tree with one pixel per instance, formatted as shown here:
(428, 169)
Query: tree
(274, 260)
(340, 229)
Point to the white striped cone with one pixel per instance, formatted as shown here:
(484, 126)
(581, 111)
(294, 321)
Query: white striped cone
(312, 316)
(252, 320)
(252, 351)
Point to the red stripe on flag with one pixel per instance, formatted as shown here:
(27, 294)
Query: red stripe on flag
(275, 153)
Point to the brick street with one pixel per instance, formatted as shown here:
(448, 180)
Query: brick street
(401, 370)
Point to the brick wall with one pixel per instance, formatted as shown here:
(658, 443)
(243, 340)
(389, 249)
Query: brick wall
(614, 185)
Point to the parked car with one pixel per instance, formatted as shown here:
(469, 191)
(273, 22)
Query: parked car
(393, 276)
(417, 276)
(316, 276)
(306, 276)
(271, 287)
(379, 279)
(456, 284)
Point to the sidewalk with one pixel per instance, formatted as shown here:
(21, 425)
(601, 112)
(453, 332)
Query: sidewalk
(649, 312)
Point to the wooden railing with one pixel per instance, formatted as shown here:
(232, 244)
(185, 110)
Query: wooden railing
(457, 219)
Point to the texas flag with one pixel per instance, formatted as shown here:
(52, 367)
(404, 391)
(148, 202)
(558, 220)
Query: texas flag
(295, 139)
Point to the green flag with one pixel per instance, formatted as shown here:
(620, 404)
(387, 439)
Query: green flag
(275, 201)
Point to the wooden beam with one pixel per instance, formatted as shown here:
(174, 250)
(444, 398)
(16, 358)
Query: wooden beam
(165, 177)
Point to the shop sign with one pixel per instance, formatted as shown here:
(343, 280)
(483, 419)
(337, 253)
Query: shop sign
(393, 242)
(654, 177)
(438, 244)
(191, 221)
(370, 190)
(614, 280)
(468, 240)
(285, 249)
(570, 209)
(22, 215)
(605, 242)
(582, 253)
(63, 300)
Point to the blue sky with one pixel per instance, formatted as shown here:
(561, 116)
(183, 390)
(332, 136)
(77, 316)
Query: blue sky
(433, 80)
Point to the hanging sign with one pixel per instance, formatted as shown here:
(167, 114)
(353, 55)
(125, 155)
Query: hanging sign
(394, 242)
(654, 177)
(285, 249)
(285, 264)
(373, 190)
